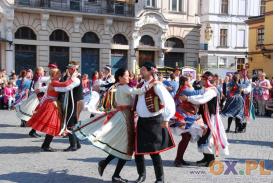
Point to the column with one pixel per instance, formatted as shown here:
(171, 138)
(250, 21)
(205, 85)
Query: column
(9, 52)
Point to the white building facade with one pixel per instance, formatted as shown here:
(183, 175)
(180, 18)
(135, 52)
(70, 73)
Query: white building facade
(167, 32)
(224, 34)
(122, 33)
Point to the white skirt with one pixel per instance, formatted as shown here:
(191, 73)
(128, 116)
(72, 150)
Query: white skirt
(25, 109)
(218, 129)
(111, 137)
(92, 103)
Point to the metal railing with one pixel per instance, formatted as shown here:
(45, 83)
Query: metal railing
(85, 6)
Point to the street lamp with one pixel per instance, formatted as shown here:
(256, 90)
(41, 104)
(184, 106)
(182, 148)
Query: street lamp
(236, 62)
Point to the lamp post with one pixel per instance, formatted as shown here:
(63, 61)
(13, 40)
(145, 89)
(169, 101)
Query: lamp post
(236, 60)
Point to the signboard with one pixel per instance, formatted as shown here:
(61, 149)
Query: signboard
(189, 71)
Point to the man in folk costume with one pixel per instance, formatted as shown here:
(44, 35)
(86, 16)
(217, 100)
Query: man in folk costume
(215, 137)
(154, 109)
(72, 106)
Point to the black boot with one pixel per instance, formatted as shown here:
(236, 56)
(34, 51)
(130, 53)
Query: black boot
(23, 123)
(202, 160)
(101, 167)
(211, 158)
(139, 159)
(116, 177)
(73, 143)
(103, 163)
(244, 127)
(78, 145)
(46, 144)
(229, 124)
(118, 180)
(158, 167)
(238, 125)
(33, 134)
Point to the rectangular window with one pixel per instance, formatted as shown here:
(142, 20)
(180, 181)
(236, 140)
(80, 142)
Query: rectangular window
(241, 38)
(151, 3)
(240, 63)
(222, 62)
(224, 7)
(223, 37)
(242, 7)
(176, 5)
(262, 7)
(260, 37)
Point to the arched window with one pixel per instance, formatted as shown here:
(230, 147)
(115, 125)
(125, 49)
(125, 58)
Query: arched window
(25, 33)
(90, 37)
(119, 39)
(147, 40)
(59, 35)
(174, 43)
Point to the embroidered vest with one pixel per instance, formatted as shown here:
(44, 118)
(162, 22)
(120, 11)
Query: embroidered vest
(152, 100)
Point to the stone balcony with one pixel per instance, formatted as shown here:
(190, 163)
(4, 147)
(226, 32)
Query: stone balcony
(102, 7)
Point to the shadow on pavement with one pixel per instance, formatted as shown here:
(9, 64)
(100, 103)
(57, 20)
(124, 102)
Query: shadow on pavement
(13, 136)
(19, 149)
(148, 162)
(7, 125)
(251, 142)
(51, 176)
(268, 163)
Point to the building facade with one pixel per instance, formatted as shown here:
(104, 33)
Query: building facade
(224, 33)
(6, 34)
(95, 33)
(167, 32)
(122, 33)
(260, 49)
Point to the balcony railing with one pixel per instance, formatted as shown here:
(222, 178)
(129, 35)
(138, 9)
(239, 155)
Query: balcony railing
(109, 7)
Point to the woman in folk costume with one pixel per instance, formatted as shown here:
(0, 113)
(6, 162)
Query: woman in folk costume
(23, 84)
(154, 108)
(113, 132)
(25, 110)
(86, 85)
(234, 106)
(188, 123)
(91, 98)
(215, 138)
(249, 110)
(48, 118)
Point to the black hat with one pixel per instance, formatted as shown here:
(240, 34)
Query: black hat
(149, 65)
(208, 75)
(108, 67)
(72, 64)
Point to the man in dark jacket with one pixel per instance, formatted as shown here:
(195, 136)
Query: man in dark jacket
(72, 106)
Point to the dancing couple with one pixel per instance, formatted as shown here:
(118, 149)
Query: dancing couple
(113, 132)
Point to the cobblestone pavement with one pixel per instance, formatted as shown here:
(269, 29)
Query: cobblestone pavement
(22, 161)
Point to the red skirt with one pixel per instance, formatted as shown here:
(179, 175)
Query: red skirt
(47, 118)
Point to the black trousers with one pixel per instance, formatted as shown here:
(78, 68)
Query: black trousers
(157, 162)
(119, 166)
(74, 142)
(47, 141)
